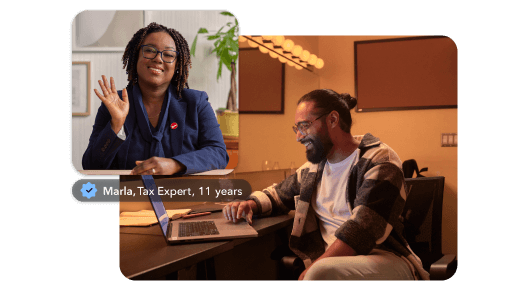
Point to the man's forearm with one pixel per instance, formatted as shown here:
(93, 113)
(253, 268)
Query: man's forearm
(337, 249)
(253, 205)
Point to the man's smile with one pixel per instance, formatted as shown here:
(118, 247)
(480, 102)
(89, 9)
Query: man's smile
(307, 143)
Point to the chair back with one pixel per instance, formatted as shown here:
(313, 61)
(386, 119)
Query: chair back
(410, 166)
(422, 216)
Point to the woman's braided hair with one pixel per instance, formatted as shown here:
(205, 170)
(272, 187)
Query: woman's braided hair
(183, 61)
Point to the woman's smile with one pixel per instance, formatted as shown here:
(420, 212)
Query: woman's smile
(156, 70)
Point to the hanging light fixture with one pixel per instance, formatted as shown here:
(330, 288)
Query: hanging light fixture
(312, 59)
(297, 50)
(305, 55)
(285, 50)
(278, 40)
(319, 64)
(287, 45)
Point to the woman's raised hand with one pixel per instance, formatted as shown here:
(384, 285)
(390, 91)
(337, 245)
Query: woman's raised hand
(118, 108)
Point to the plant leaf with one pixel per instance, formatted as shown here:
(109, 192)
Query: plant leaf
(226, 44)
(219, 70)
(219, 31)
(231, 31)
(212, 37)
(194, 45)
(202, 30)
(227, 59)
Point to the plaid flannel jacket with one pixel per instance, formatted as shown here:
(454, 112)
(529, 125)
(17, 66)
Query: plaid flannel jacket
(376, 196)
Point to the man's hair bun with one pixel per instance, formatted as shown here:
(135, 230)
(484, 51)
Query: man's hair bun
(350, 101)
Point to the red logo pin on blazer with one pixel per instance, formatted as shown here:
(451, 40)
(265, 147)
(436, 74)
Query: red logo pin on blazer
(174, 125)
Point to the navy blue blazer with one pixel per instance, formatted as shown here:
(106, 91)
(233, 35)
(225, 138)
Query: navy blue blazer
(197, 142)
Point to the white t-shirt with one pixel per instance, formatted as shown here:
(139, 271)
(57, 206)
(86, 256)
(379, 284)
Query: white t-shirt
(331, 201)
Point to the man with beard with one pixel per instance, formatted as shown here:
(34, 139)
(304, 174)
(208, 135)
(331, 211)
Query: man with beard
(348, 198)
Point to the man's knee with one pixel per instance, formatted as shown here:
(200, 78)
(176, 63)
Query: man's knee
(324, 269)
(377, 266)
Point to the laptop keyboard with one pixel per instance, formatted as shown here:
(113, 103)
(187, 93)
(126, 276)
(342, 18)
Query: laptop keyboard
(200, 228)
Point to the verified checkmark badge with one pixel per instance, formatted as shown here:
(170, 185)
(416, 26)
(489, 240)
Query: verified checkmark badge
(89, 190)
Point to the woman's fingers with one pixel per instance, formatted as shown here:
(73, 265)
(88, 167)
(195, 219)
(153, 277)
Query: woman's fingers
(117, 108)
(147, 167)
(103, 88)
(110, 89)
(107, 86)
(125, 96)
(112, 86)
(137, 169)
(99, 96)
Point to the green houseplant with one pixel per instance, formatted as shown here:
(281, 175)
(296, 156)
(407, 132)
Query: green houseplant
(226, 48)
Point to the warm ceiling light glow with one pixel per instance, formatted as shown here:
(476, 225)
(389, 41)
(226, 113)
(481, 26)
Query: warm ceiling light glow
(287, 45)
(305, 55)
(278, 40)
(312, 59)
(273, 54)
(320, 63)
(297, 50)
(264, 49)
(285, 50)
(252, 41)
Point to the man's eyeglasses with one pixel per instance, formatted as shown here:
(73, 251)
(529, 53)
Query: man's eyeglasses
(150, 52)
(303, 126)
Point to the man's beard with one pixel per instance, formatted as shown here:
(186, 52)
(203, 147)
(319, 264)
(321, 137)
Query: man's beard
(321, 146)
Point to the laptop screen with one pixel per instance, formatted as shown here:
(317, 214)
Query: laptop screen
(156, 202)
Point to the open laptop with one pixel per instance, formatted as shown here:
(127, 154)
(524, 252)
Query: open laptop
(189, 231)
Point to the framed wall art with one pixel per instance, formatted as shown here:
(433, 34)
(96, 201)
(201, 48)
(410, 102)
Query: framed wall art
(261, 83)
(405, 74)
(80, 88)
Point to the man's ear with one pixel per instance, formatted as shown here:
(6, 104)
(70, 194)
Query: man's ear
(334, 119)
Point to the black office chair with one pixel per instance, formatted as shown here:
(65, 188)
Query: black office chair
(423, 225)
(410, 166)
(422, 228)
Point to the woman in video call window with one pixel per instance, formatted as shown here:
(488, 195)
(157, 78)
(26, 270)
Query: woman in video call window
(157, 125)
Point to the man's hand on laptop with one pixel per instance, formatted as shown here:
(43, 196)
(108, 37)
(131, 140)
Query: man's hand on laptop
(239, 209)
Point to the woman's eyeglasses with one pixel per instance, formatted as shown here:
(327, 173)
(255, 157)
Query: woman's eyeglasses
(150, 52)
(303, 126)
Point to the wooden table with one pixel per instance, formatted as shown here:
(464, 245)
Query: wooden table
(144, 253)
